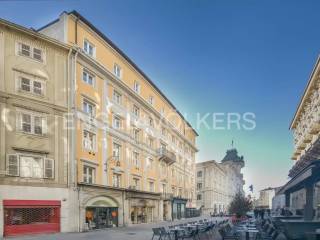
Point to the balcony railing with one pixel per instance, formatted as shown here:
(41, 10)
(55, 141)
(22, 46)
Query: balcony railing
(166, 156)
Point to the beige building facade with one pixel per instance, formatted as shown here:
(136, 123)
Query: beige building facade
(34, 147)
(218, 182)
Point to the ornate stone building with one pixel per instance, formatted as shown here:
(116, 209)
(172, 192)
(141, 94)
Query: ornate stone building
(217, 183)
(302, 192)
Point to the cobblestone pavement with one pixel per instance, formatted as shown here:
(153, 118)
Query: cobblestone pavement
(134, 232)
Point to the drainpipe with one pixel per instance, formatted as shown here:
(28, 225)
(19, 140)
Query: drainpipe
(123, 220)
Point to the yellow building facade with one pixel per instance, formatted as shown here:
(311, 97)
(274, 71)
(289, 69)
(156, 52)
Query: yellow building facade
(134, 153)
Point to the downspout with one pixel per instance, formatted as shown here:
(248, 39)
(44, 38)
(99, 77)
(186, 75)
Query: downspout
(123, 221)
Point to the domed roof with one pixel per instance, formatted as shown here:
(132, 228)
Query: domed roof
(232, 155)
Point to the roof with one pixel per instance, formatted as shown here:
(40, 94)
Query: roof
(232, 155)
(302, 99)
(115, 47)
(34, 33)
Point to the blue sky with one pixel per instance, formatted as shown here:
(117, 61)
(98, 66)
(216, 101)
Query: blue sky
(213, 56)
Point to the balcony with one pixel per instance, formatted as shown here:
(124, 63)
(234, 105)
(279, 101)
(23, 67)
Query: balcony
(166, 156)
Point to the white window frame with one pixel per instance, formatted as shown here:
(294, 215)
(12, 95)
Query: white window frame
(33, 116)
(149, 163)
(136, 183)
(135, 159)
(136, 111)
(151, 100)
(19, 172)
(86, 141)
(87, 51)
(116, 180)
(116, 119)
(32, 81)
(116, 152)
(88, 102)
(117, 97)
(137, 87)
(151, 186)
(32, 52)
(86, 76)
(117, 70)
(85, 174)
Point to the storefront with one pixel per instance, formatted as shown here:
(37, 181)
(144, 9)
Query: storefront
(101, 212)
(178, 208)
(22, 217)
(143, 207)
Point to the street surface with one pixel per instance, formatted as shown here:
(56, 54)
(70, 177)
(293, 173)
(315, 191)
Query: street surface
(134, 232)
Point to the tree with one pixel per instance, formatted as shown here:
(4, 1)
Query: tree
(240, 205)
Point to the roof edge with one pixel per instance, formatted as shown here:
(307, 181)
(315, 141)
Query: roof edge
(113, 45)
(306, 89)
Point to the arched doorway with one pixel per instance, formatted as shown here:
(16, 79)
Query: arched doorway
(101, 212)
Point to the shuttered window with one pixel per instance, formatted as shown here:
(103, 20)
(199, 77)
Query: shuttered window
(29, 166)
(12, 165)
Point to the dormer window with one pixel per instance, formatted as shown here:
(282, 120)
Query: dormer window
(117, 71)
(89, 48)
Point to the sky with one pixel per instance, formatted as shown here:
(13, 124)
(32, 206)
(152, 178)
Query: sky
(211, 57)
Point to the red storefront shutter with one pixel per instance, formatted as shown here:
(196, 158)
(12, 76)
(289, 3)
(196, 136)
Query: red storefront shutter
(23, 217)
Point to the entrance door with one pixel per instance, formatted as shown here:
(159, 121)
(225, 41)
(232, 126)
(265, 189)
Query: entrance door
(101, 217)
(179, 211)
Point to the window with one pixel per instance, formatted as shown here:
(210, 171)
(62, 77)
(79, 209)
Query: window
(136, 111)
(32, 123)
(88, 78)
(32, 52)
(117, 71)
(117, 97)
(149, 164)
(116, 150)
(135, 159)
(164, 188)
(163, 132)
(25, 50)
(88, 108)
(151, 122)
(151, 186)
(199, 174)
(136, 183)
(89, 48)
(199, 197)
(199, 186)
(150, 142)
(173, 139)
(151, 100)
(116, 122)
(136, 87)
(136, 134)
(37, 54)
(30, 166)
(89, 174)
(89, 141)
(35, 87)
(116, 180)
